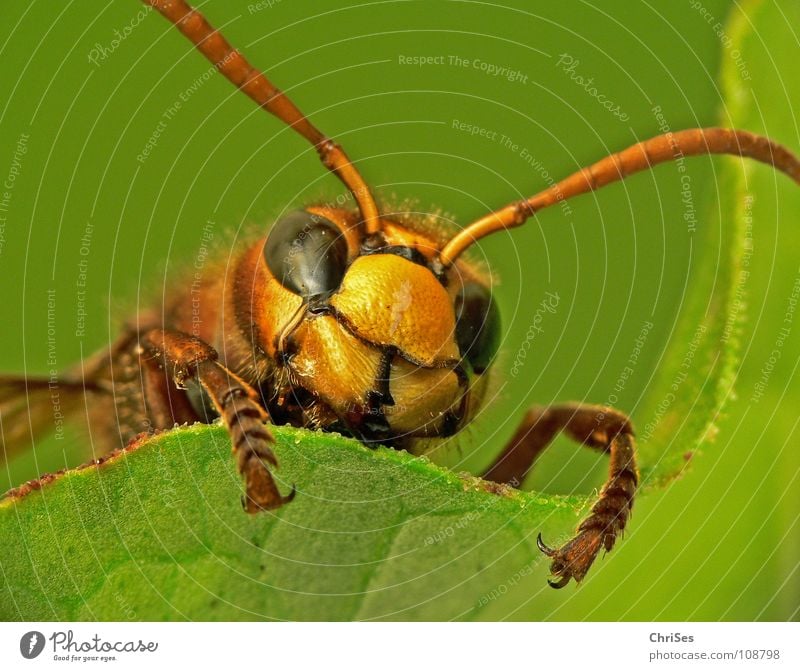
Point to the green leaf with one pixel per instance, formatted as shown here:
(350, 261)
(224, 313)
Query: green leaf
(158, 532)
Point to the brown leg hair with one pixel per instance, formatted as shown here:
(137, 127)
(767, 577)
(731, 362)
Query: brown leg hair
(595, 426)
(184, 357)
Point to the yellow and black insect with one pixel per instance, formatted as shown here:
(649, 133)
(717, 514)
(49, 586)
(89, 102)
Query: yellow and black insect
(348, 320)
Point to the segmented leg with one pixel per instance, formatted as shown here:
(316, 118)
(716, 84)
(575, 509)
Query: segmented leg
(184, 358)
(595, 426)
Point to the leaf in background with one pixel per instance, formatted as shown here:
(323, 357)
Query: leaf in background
(721, 543)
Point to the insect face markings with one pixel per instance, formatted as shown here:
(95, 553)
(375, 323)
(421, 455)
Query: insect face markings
(374, 338)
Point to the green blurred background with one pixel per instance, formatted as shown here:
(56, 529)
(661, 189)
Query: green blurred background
(722, 541)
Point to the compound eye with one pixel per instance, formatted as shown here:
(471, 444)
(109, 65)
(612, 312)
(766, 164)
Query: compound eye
(307, 254)
(477, 325)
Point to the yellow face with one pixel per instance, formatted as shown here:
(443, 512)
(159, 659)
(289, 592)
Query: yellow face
(368, 337)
